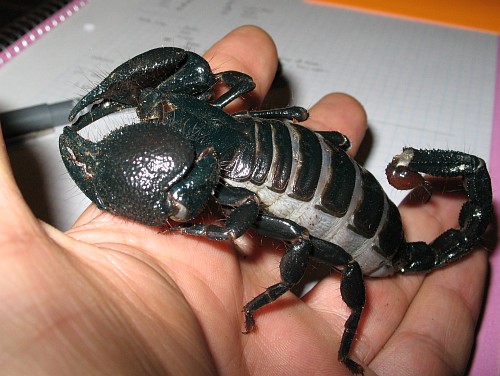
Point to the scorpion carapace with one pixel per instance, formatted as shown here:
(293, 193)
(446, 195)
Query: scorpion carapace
(270, 173)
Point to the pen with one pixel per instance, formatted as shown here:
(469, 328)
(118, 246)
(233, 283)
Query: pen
(34, 119)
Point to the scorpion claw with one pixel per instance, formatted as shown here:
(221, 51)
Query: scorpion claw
(125, 83)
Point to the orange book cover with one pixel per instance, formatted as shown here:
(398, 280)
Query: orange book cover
(482, 15)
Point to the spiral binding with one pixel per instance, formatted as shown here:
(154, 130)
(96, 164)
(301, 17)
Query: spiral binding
(23, 32)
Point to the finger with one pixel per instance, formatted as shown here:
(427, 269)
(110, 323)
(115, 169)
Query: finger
(15, 210)
(446, 307)
(340, 112)
(440, 321)
(439, 324)
(250, 50)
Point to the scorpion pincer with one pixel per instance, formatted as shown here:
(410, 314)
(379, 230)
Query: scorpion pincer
(270, 173)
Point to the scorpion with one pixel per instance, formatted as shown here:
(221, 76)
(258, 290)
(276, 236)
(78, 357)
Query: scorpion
(266, 171)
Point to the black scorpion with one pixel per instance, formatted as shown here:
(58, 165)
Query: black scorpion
(270, 173)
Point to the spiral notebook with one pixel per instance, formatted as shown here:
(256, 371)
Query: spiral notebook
(23, 32)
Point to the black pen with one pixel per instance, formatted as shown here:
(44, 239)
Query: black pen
(34, 119)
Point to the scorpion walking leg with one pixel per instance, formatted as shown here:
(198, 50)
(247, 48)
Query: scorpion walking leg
(239, 220)
(239, 84)
(336, 139)
(352, 290)
(474, 216)
(299, 114)
(293, 266)
(294, 113)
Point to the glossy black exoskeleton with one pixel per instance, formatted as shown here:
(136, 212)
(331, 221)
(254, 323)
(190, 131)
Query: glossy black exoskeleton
(271, 174)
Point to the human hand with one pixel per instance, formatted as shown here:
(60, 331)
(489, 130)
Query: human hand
(111, 296)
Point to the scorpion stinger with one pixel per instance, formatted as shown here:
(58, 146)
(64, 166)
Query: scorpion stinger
(474, 216)
(268, 172)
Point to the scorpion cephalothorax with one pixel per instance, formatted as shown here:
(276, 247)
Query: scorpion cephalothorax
(271, 174)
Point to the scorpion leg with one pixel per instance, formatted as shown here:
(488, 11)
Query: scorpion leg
(299, 114)
(293, 113)
(352, 290)
(404, 171)
(239, 220)
(193, 76)
(293, 266)
(336, 139)
(239, 84)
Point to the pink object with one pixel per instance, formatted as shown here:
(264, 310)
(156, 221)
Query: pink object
(40, 30)
(486, 359)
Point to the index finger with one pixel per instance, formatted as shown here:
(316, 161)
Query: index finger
(250, 50)
(342, 113)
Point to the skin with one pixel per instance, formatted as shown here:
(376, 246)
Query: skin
(113, 297)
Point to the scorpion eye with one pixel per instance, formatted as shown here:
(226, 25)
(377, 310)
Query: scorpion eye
(137, 166)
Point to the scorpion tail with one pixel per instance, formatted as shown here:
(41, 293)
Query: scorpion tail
(474, 216)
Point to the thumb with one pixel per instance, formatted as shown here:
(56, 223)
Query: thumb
(16, 217)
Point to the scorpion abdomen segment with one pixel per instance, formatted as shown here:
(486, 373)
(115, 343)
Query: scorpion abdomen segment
(263, 159)
(317, 185)
(282, 159)
(391, 235)
(369, 213)
(338, 192)
(307, 172)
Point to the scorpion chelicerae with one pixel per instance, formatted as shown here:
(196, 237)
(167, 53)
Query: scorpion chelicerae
(268, 172)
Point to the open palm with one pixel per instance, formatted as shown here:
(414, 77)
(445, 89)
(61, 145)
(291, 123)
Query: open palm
(115, 297)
